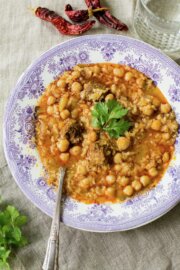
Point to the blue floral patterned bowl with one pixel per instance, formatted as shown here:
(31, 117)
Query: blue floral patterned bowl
(22, 155)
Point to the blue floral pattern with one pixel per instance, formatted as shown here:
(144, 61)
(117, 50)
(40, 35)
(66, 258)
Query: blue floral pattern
(108, 51)
(41, 182)
(26, 119)
(99, 213)
(174, 94)
(23, 158)
(51, 194)
(34, 86)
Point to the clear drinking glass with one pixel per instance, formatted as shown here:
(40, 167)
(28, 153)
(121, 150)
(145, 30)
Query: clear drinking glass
(158, 22)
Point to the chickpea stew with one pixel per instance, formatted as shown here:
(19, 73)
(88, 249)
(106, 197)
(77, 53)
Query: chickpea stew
(110, 126)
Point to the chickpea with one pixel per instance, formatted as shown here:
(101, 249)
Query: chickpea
(85, 183)
(173, 127)
(76, 87)
(147, 110)
(55, 91)
(64, 157)
(119, 72)
(120, 195)
(128, 76)
(93, 136)
(96, 70)
(81, 170)
(143, 102)
(50, 110)
(61, 83)
(109, 97)
(63, 103)
(63, 145)
(156, 102)
(88, 73)
(153, 172)
(113, 88)
(117, 167)
(165, 128)
(75, 113)
(124, 181)
(76, 74)
(165, 108)
(72, 102)
(56, 109)
(55, 130)
(60, 124)
(145, 180)
(128, 190)
(166, 136)
(65, 114)
(51, 100)
(140, 82)
(117, 158)
(136, 185)
(126, 167)
(123, 143)
(110, 191)
(156, 124)
(75, 150)
(110, 179)
(165, 157)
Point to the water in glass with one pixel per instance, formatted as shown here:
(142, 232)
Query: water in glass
(158, 23)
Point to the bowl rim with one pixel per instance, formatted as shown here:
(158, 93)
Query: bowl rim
(164, 57)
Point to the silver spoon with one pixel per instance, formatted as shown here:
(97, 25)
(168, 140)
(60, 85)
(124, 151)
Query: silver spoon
(52, 251)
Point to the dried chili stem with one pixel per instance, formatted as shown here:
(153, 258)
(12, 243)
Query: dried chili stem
(81, 15)
(33, 10)
(105, 17)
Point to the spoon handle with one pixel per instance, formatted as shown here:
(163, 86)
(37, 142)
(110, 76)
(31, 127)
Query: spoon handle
(51, 257)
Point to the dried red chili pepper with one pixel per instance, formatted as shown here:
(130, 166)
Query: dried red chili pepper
(76, 15)
(81, 15)
(63, 26)
(105, 17)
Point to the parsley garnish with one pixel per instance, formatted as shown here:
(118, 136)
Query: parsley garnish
(109, 116)
(10, 233)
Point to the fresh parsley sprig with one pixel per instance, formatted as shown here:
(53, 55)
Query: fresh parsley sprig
(109, 116)
(11, 236)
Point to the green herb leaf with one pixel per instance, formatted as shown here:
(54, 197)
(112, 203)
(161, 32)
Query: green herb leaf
(11, 236)
(109, 116)
(117, 128)
(16, 234)
(4, 253)
(20, 221)
(95, 123)
(12, 211)
(4, 218)
(118, 112)
(4, 265)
